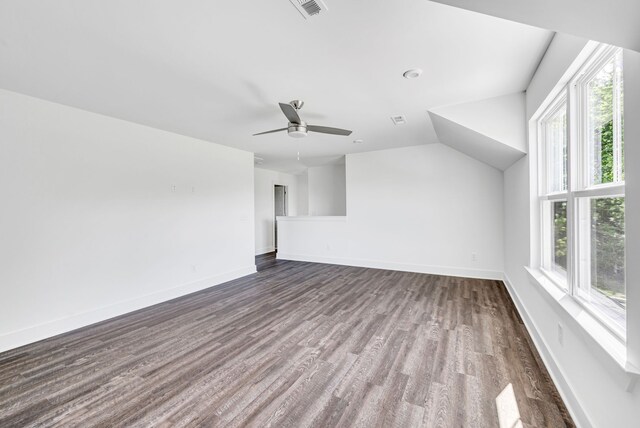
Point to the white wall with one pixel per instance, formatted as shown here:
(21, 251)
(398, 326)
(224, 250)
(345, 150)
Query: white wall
(632, 176)
(592, 384)
(500, 118)
(425, 208)
(264, 180)
(327, 190)
(302, 182)
(101, 217)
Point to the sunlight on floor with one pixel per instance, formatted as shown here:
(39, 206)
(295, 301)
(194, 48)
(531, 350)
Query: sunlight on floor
(508, 413)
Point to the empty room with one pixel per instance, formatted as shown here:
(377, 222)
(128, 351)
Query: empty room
(320, 213)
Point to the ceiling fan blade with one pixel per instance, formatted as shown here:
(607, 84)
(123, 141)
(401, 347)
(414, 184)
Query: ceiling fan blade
(328, 130)
(270, 132)
(291, 113)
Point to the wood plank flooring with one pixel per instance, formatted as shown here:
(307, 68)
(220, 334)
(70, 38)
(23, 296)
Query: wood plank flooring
(295, 345)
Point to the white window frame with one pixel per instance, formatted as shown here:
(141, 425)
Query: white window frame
(578, 184)
(548, 196)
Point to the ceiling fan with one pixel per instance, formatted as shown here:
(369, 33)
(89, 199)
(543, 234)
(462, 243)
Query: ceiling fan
(297, 127)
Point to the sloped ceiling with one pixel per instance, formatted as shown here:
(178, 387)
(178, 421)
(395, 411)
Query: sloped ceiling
(215, 70)
(492, 130)
(609, 21)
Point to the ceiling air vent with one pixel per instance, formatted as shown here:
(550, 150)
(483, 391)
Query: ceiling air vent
(309, 8)
(398, 120)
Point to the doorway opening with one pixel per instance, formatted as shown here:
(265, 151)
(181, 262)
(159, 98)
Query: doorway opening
(280, 209)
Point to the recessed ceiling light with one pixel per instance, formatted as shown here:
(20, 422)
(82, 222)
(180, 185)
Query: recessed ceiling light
(358, 141)
(414, 73)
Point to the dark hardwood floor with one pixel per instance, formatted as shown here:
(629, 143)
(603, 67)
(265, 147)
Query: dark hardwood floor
(266, 261)
(297, 344)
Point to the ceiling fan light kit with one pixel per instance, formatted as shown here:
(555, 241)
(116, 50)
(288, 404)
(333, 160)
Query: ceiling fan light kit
(297, 128)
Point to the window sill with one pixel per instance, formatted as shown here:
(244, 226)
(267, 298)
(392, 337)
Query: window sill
(590, 325)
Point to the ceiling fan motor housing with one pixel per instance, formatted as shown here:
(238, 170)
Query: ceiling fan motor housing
(297, 130)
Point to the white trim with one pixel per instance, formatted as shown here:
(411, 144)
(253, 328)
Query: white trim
(592, 327)
(265, 250)
(52, 328)
(604, 190)
(555, 197)
(578, 414)
(312, 218)
(403, 267)
(556, 279)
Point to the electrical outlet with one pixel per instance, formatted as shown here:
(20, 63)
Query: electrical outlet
(474, 257)
(173, 188)
(194, 268)
(560, 334)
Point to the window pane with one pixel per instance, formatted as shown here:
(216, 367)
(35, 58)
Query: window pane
(555, 135)
(604, 257)
(605, 123)
(555, 242)
(559, 255)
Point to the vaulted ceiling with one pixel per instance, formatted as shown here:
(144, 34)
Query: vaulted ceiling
(609, 21)
(491, 130)
(216, 70)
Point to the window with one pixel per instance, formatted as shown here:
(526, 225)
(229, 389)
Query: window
(553, 132)
(581, 188)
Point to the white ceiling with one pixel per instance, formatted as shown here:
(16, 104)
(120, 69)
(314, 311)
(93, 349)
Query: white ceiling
(216, 70)
(475, 144)
(502, 118)
(609, 21)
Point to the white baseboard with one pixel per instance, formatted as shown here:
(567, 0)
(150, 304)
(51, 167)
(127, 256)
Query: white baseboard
(52, 328)
(404, 267)
(566, 392)
(265, 250)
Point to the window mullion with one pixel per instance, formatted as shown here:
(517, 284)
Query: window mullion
(601, 191)
(555, 196)
(571, 185)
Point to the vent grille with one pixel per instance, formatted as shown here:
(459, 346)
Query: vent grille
(309, 8)
(399, 120)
